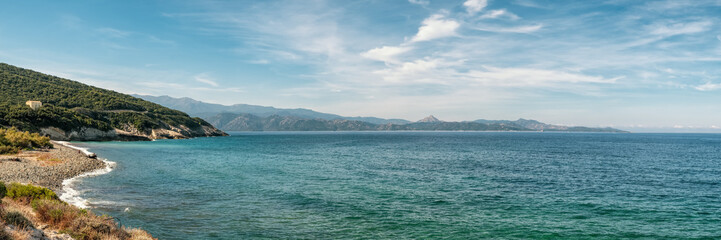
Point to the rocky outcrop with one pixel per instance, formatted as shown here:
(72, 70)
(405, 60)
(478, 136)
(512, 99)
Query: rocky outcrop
(129, 133)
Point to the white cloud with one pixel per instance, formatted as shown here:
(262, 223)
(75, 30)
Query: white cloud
(671, 29)
(205, 79)
(423, 71)
(519, 29)
(522, 77)
(474, 6)
(493, 14)
(718, 37)
(436, 27)
(385, 54)
(113, 33)
(420, 2)
(708, 87)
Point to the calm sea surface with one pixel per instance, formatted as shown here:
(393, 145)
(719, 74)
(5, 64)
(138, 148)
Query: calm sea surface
(417, 185)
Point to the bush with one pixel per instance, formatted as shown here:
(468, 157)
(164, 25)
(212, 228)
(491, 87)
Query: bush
(3, 190)
(76, 222)
(17, 219)
(12, 141)
(29, 192)
(4, 235)
(55, 212)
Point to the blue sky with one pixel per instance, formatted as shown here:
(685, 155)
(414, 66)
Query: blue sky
(628, 64)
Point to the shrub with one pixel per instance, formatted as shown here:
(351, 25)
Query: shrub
(12, 141)
(17, 219)
(76, 222)
(3, 190)
(55, 212)
(29, 192)
(4, 235)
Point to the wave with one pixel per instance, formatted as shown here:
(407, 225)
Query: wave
(71, 195)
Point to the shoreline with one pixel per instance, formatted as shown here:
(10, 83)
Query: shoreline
(57, 169)
(67, 193)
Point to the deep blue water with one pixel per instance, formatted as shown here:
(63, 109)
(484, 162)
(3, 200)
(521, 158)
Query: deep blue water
(419, 185)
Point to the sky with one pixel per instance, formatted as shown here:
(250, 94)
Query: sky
(626, 64)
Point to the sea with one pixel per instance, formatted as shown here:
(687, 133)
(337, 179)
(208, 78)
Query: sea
(412, 185)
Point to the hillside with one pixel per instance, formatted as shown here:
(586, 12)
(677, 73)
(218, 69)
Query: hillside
(539, 126)
(75, 111)
(206, 110)
(249, 122)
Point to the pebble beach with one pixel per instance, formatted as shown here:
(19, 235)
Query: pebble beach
(47, 168)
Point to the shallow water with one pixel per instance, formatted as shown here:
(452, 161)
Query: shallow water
(420, 185)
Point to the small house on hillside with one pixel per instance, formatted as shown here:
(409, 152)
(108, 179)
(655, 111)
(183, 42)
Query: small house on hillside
(35, 105)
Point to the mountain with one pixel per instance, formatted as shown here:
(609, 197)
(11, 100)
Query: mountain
(539, 126)
(429, 119)
(206, 110)
(74, 111)
(244, 117)
(249, 122)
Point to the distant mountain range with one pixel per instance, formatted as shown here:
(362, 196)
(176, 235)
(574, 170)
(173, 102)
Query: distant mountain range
(206, 110)
(244, 117)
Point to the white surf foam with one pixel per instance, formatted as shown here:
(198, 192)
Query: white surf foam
(71, 195)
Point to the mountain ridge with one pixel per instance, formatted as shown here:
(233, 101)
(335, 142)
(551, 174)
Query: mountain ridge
(300, 119)
(74, 111)
(204, 110)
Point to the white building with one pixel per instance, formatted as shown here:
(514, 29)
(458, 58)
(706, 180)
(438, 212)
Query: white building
(35, 105)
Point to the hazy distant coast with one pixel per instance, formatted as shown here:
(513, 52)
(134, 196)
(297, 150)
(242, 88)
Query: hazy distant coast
(244, 117)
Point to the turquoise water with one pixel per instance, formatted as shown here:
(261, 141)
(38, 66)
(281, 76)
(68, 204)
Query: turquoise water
(419, 185)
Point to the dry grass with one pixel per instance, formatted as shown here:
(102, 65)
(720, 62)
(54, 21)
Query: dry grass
(47, 159)
(79, 223)
(20, 234)
(138, 234)
(13, 206)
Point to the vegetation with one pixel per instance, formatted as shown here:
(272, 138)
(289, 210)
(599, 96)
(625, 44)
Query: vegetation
(28, 193)
(45, 208)
(3, 190)
(4, 235)
(71, 105)
(17, 219)
(12, 141)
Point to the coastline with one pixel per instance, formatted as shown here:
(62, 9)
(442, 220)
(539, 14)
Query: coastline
(68, 193)
(57, 169)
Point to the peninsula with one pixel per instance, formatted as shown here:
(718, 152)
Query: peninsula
(68, 110)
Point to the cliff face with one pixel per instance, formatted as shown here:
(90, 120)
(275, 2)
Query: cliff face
(129, 134)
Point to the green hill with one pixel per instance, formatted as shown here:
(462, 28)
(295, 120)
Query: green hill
(75, 111)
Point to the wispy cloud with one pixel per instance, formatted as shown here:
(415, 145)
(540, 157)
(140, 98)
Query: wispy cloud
(203, 78)
(386, 54)
(677, 28)
(708, 87)
(420, 2)
(500, 13)
(259, 61)
(527, 77)
(515, 29)
(113, 33)
(474, 6)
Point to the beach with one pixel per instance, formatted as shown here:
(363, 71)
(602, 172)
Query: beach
(48, 167)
